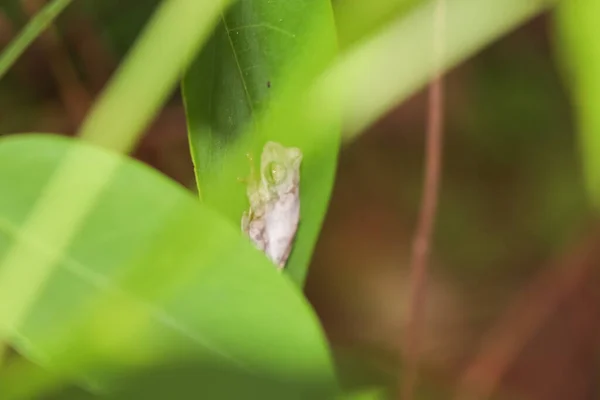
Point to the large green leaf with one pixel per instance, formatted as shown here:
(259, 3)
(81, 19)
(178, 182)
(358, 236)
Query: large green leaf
(151, 276)
(263, 55)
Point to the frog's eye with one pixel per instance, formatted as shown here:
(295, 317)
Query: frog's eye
(275, 172)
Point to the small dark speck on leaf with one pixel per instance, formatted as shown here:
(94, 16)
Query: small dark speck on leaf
(268, 84)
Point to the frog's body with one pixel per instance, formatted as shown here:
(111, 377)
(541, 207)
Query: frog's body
(272, 220)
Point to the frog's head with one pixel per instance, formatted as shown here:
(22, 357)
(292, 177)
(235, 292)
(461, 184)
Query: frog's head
(280, 168)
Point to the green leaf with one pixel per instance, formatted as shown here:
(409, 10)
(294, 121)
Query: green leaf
(359, 19)
(577, 38)
(152, 276)
(242, 91)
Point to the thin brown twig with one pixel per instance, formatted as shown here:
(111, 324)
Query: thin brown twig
(424, 230)
(523, 318)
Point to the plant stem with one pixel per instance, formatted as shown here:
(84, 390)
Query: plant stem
(32, 30)
(423, 233)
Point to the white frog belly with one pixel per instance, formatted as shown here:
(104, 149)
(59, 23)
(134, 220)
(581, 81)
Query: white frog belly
(281, 223)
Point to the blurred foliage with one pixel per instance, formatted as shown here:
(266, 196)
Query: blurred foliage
(147, 287)
(515, 163)
(580, 58)
(121, 22)
(512, 191)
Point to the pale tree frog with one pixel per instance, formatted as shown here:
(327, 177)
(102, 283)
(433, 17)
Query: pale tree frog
(272, 220)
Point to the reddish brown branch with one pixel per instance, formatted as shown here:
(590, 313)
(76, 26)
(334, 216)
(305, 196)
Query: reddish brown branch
(424, 230)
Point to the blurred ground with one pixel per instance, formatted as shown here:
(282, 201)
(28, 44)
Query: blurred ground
(513, 292)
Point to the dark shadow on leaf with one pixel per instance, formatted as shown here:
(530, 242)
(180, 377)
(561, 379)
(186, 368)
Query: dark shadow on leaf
(194, 380)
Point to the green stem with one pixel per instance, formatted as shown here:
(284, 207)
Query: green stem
(31, 31)
(578, 52)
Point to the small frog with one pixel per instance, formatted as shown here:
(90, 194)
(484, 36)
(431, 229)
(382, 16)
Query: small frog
(272, 220)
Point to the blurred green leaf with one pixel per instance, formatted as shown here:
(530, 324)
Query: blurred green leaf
(398, 60)
(579, 51)
(151, 276)
(359, 19)
(244, 89)
(13, 10)
(368, 394)
(195, 380)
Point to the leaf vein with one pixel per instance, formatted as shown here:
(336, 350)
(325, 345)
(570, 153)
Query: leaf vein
(266, 26)
(101, 282)
(237, 62)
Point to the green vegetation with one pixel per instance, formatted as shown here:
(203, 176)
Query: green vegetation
(117, 282)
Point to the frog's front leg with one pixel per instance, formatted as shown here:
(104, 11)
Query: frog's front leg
(247, 218)
(246, 221)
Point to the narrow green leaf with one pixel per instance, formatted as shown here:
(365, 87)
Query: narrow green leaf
(31, 31)
(258, 65)
(152, 276)
(577, 31)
